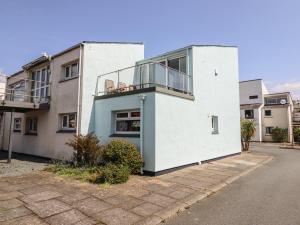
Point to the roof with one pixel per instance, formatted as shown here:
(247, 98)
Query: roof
(278, 93)
(182, 49)
(250, 80)
(42, 58)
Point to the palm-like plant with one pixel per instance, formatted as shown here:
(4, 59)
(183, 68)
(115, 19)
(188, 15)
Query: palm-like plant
(247, 133)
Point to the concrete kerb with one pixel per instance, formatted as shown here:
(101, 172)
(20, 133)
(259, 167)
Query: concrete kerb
(187, 202)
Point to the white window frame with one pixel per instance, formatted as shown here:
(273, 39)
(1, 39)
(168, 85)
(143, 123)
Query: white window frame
(30, 120)
(68, 120)
(40, 90)
(71, 74)
(215, 124)
(129, 117)
(17, 123)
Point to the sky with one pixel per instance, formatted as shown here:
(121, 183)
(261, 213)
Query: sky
(267, 32)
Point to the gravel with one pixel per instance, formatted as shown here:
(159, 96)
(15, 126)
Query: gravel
(20, 164)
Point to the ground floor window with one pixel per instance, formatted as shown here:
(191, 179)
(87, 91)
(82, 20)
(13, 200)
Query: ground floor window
(249, 114)
(215, 124)
(68, 121)
(31, 125)
(127, 122)
(17, 124)
(269, 130)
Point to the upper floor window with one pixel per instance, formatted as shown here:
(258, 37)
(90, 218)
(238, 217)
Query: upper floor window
(249, 114)
(17, 124)
(253, 97)
(128, 122)
(40, 84)
(68, 121)
(268, 112)
(215, 124)
(31, 125)
(71, 70)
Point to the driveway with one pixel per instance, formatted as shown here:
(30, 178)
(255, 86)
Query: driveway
(270, 195)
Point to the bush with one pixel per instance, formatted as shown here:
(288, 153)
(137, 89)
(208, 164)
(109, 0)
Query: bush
(87, 150)
(280, 134)
(121, 152)
(113, 174)
(296, 132)
(247, 133)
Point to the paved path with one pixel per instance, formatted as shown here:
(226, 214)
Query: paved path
(267, 196)
(43, 198)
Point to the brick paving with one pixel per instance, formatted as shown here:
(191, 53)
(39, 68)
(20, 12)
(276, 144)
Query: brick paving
(43, 198)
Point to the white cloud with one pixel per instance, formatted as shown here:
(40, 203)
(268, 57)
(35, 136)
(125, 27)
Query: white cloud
(291, 86)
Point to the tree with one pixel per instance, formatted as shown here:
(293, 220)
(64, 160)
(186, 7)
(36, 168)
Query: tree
(247, 133)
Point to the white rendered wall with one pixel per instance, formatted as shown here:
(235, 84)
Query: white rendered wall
(250, 88)
(183, 130)
(104, 122)
(100, 59)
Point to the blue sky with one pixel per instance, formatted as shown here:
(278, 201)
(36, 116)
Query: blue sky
(267, 32)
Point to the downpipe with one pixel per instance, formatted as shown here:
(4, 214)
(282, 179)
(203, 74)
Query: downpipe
(142, 100)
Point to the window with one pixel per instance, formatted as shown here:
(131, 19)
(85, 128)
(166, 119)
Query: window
(268, 112)
(68, 121)
(40, 84)
(17, 125)
(128, 122)
(31, 125)
(249, 114)
(269, 130)
(71, 70)
(253, 97)
(214, 125)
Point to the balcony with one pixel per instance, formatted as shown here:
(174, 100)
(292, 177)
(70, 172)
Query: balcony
(142, 77)
(276, 101)
(25, 95)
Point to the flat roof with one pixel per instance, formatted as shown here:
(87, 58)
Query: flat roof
(250, 80)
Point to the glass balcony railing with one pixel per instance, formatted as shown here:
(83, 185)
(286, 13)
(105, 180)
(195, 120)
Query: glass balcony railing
(144, 76)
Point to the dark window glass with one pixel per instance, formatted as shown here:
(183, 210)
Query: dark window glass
(268, 113)
(253, 97)
(269, 130)
(249, 114)
(174, 64)
(128, 125)
(135, 114)
(122, 115)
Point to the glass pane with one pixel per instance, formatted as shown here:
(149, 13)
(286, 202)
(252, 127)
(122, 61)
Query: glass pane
(67, 72)
(122, 126)
(74, 69)
(182, 65)
(174, 64)
(134, 125)
(43, 77)
(72, 121)
(122, 115)
(42, 92)
(135, 114)
(65, 121)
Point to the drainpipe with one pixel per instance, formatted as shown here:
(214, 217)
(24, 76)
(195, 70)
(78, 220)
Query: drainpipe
(79, 100)
(142, 100)
(10, 137)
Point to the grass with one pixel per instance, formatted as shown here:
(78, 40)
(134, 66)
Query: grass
(79, 173)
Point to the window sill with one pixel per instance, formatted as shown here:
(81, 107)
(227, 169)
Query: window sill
(67, 79)
(31, 134)
(17, 131)
(66, 131)
(125, 135)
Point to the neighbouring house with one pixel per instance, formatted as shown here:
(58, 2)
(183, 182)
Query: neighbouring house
(268, 110)
(179, 108)
(296, 113)
(3, 79)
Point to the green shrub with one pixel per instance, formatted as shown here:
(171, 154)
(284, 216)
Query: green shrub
(296, 132)
(280, 134)
(121, 152)
(87, 150)
(113, 174)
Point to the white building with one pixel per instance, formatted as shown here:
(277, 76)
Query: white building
(269, 110)
(172, 106)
